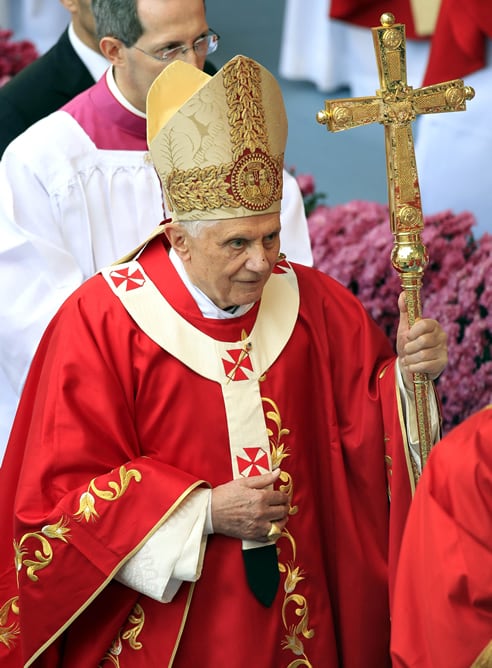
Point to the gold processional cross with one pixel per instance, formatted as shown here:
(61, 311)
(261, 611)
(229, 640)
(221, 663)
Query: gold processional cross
(395, 106)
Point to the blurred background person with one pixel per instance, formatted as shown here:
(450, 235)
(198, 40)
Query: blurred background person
(453, 150)
(73, 64)
(331, 46)
(39, 21)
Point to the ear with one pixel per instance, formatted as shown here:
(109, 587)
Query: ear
(71, 5)
(179, 240)
(113, 49)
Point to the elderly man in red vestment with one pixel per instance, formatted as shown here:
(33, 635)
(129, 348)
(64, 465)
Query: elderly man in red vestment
(442, 616)
(198, 473)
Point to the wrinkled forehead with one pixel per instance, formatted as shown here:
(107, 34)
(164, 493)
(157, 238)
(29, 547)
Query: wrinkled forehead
(244, 227)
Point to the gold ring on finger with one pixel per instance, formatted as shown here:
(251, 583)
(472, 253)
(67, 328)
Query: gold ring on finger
(274, 532)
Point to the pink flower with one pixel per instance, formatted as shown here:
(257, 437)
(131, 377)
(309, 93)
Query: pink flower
(352, 242)
(306, 184)
(14, 56)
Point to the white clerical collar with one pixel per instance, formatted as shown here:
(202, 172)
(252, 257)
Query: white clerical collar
(204, 303)
(113, 87)
(95, 62)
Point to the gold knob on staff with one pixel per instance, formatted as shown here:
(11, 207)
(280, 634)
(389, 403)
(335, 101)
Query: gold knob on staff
(387, 20)
(323, 117)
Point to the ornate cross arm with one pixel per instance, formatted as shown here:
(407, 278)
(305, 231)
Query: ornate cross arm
(396, 105)
(352, 112)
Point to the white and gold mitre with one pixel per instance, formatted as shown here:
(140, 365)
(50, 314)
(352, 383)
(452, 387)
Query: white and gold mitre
(217, 142)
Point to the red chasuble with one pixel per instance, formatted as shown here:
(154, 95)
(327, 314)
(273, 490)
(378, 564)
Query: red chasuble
(113, 433)
(442, 616)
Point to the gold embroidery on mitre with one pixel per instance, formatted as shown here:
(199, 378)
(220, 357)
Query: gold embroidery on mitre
(253, 179)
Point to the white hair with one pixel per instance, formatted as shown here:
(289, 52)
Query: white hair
(195, 227)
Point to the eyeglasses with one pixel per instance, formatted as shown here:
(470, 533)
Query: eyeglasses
(203, 47)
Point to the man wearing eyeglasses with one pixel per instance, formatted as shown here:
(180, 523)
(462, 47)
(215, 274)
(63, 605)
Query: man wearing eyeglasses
(78, 190)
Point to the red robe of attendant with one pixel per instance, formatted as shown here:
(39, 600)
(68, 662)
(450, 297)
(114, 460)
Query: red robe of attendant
(442, 613)
(110, 417)
(366, 13)
(459, 43)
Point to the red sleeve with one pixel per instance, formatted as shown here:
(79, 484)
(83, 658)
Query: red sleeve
(442, 612)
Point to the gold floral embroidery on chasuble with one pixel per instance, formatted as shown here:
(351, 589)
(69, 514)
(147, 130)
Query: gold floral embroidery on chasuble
(295, 608)
(9, 630)
(35, 550)
(87, 503)
(127, 637)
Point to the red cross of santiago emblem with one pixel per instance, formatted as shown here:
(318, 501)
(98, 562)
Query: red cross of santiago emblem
(236, 366)
(255, 462)
(133, 281)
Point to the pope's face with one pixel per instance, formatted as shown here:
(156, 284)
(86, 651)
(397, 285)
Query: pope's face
(231, 260)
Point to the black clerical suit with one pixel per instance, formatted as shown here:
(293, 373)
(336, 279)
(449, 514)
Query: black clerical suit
(41, 88)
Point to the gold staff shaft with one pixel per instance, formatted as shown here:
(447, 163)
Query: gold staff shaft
(396, 106)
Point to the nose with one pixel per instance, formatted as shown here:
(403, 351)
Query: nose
(190, 56)
(257, 259)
